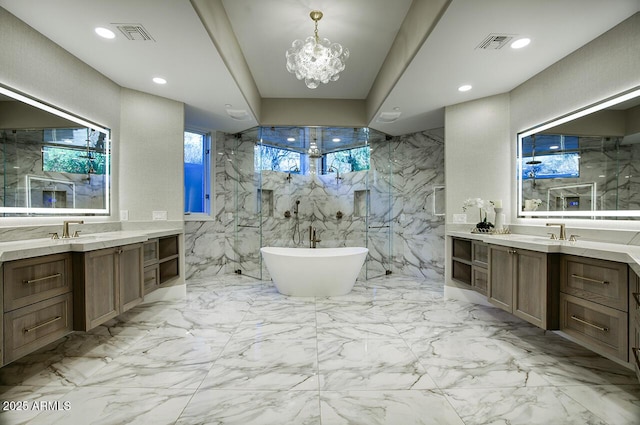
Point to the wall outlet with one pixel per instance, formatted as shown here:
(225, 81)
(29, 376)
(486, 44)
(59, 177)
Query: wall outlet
(159, 215)
(124, 215)
(459, 218)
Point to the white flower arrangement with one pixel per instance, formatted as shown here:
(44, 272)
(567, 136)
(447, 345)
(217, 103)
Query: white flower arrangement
(484, 207)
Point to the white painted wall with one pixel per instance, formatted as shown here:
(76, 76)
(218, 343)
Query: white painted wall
(477, 154)
(151, 156)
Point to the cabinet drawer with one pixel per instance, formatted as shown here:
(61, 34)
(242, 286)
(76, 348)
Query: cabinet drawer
(29, 328)
(604, 282)
(599, 326)
(35, 279)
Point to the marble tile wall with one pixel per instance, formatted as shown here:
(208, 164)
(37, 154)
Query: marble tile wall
(399, 226)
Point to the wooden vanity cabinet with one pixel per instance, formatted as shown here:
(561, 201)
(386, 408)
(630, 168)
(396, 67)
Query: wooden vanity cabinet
(594, 304)
(107, 282)
(37, 304)
(469, 263)
(524, 283)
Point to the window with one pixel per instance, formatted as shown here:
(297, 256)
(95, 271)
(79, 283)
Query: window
(276, 159)
(562, 165)
(73, 161)
(197, 175)
(356, 159)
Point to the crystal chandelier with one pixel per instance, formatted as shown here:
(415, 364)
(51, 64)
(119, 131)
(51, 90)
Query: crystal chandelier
(314, 60)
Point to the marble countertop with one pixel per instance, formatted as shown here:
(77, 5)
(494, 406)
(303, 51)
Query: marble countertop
(629, 254)
(17, 250)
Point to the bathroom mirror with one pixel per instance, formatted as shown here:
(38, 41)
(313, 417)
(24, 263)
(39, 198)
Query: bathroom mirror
(52, 161)
(585, 164)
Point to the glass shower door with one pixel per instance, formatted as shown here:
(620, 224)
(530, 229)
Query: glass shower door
(247, 205)
(379, 223)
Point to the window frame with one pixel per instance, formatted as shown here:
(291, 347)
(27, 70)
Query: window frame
(208, 178)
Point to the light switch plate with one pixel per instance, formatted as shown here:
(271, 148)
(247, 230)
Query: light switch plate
(159, 215)
(124, 215)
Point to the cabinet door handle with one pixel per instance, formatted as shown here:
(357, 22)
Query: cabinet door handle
(636, 350)
(40, 325)
(588, 279)
(600, 328)
(636, 295)
(40, 279)
(513, 251)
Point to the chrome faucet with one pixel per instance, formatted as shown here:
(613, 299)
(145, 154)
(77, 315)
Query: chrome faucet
(65, 228)
(563, 235)
(312, 237)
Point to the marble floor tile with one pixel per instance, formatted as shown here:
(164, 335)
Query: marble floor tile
(618, 405)
(18, 402)
(287, 310)
(369, 364)
(116, 406)
(409, 407)
(42, 369)
(161, 362)
(591, 370)
(234, 407)
(265, 330)
(358, 331)
(343, 313)
(520, 406)
(266, 364)
(463, 361)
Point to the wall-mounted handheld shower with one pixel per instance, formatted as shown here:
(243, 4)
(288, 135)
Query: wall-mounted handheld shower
(297, 234)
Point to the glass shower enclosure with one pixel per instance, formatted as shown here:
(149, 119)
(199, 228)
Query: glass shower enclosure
(291, 181)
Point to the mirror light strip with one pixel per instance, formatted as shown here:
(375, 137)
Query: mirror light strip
(51, 110)
(595, 108)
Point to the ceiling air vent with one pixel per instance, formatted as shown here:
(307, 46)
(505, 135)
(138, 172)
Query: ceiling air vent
(134, 32)
(495, 41)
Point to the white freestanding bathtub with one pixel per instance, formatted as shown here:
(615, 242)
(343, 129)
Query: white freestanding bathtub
(314, 272)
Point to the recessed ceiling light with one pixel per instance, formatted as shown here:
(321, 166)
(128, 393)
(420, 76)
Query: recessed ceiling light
(159, 80)
(291, 139)
(520, 43)
(466, 87)
(554, 147)
(105, 33)
(335, 139)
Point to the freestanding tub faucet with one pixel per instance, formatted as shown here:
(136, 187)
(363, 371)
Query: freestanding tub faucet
(312, 237)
